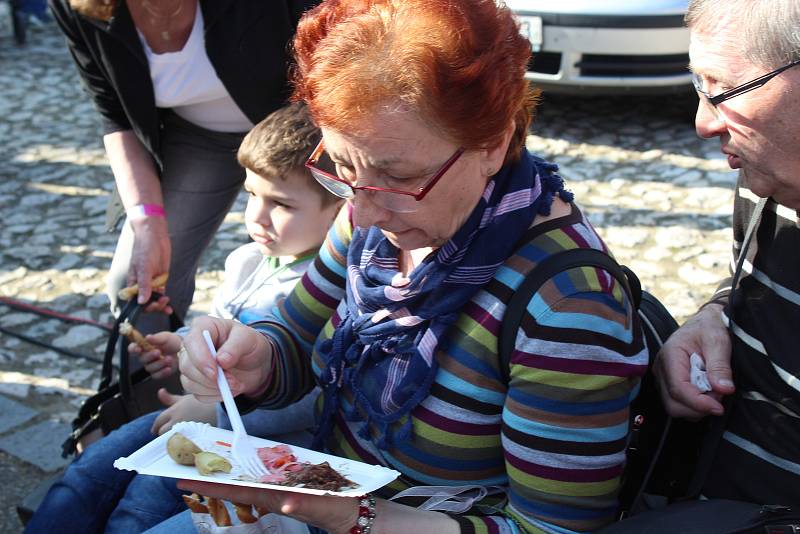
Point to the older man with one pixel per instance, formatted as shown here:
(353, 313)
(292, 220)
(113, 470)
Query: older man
(745, 56)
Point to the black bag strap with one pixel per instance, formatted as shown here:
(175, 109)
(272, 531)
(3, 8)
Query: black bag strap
(127, 379)
(88, 415)
(717, 425)
(107, 372)
(130, 312)
(544, 271)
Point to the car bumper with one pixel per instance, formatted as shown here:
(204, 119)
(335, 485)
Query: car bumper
(609, 60)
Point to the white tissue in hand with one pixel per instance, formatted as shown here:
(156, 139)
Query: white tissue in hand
(698, 374)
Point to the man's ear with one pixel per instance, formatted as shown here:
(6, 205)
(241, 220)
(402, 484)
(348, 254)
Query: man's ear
(494, 157)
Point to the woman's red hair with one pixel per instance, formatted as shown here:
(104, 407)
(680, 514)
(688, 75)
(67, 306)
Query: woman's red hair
(459, 63)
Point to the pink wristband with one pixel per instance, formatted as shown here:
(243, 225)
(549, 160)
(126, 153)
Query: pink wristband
(140, 211)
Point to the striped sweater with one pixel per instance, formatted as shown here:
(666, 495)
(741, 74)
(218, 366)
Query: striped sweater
(758, 459)
(553, 436)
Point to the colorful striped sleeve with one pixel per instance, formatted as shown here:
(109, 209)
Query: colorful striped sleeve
(298, 319)
(578, 359)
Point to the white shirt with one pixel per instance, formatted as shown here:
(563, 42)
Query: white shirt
(186, 82)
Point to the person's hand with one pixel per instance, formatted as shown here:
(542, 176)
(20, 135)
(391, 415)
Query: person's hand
(181, 408)
(161, 305)
(244, 354)
(163, 361)
(150, 257)
(333, 514)
(705, 334)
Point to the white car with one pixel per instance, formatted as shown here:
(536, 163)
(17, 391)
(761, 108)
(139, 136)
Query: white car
(606, 46)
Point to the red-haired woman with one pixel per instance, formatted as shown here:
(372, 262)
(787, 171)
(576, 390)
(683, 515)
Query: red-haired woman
(424, 110)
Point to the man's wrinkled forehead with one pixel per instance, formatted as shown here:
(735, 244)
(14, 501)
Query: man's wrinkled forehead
(718, 54)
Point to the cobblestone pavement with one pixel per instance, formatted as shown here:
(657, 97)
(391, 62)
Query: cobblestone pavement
(660, 196)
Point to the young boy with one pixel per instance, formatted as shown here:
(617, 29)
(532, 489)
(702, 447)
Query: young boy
(287, 216)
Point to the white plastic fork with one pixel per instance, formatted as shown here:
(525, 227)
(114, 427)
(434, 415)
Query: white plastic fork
(243, 452)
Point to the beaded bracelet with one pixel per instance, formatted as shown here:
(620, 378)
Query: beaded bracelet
(366, 515)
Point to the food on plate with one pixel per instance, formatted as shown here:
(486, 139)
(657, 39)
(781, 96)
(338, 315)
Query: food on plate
(133, 335)
(285, 470)
(318, 476)
(244, 512)
(127, 293)
(209, 462)
(213, 507)
(217, 510)
(182, 449)
(185, 452)
(195, 504)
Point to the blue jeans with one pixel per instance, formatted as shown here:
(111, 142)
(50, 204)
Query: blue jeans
(37, 8)
(94, 496)
(177, 524)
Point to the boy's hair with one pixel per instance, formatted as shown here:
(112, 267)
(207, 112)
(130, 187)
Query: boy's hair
(282, 143)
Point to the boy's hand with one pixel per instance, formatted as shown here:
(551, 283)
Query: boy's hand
(181, 408)
(163, 361)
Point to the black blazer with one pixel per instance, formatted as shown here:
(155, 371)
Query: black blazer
(246, 41)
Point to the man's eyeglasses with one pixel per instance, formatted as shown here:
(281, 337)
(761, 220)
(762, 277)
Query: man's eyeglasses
(716, 100)
(392, 199)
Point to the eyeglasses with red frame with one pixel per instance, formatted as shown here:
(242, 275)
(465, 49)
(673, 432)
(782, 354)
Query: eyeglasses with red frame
(389, 198)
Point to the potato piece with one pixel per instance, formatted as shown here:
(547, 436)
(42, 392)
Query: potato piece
(181, 449)
(208, 462)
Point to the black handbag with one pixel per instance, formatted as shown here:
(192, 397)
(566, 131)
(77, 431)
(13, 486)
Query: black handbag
(117, 402)
(713, 516)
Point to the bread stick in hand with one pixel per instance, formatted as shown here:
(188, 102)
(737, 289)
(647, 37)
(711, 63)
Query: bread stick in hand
(127, 293)
(133, 335)
(195, 504)
(244, 512)
(216, 507)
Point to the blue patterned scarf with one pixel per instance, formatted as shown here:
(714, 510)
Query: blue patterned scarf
(383, 349)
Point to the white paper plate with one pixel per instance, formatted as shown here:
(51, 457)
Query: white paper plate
(152, 459)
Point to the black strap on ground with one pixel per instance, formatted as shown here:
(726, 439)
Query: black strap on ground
(49, 314)
(59, 350)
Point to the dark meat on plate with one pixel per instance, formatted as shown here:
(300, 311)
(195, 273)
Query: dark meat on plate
(284, 469)
(320, 476)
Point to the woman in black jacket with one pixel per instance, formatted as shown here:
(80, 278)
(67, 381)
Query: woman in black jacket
(177, 84)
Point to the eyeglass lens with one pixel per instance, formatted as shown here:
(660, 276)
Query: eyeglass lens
(699, 86)
(385, 199)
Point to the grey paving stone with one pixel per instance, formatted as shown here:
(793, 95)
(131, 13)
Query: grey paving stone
(39, 445)
(13, 414)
